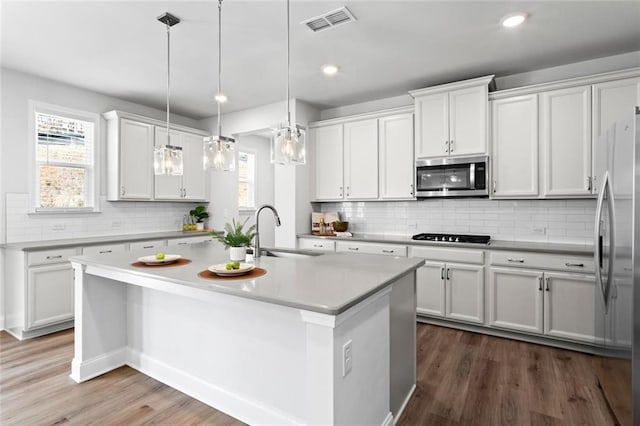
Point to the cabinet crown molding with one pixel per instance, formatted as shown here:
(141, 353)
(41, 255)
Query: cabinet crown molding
(363, 116)
(479, 81)
(115, 114)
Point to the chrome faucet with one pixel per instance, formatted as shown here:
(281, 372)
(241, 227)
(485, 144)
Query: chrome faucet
(256, 244)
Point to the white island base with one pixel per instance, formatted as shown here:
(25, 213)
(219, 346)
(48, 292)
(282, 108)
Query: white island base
(260, 362)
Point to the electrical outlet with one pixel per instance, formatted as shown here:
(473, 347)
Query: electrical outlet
(58, 227)
(347, 358)
(539, 230)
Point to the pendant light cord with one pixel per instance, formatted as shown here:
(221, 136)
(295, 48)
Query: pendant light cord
(219, 65)
(288, 66)
(168, 77)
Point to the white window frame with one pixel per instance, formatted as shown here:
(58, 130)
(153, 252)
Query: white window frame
(246, 209)
(93, 188)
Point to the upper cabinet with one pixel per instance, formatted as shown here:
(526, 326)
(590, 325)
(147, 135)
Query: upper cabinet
(130, 142)
(368, 157)
(451, 119)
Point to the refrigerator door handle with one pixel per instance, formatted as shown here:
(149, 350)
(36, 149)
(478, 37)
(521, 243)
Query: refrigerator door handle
(612, 242)
(598, 239)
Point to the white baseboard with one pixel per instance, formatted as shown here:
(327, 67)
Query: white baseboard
(404, 404)
(245, 410)
(388, 421)
(83, 371)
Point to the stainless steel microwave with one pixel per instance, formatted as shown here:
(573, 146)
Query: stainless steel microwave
(452, 177)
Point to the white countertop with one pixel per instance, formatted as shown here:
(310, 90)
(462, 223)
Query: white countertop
(329, 283)
(573, 249)
(106, 239)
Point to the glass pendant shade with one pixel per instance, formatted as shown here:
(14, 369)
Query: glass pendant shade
(288, 145)
(219, 153)
(168, 161)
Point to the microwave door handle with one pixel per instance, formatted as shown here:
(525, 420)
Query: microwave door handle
(598, 241)
(472, 176)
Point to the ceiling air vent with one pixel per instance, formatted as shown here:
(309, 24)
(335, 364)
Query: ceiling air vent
(329, 19)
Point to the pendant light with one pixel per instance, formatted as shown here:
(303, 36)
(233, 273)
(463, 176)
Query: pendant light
(219, 150)
(288, 141)
(167, 158)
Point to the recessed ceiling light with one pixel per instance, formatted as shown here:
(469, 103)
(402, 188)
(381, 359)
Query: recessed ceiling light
(329, 69)
(221, 98)
(514, 19)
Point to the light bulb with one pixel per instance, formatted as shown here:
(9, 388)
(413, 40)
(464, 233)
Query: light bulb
(513, 19)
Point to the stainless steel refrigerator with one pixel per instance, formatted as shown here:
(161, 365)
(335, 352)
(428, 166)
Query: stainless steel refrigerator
(617, 239)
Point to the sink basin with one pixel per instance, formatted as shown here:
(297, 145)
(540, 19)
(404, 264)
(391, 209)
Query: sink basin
(292, 254)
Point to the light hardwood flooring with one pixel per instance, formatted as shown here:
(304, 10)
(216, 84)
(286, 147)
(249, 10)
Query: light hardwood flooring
(463, 379)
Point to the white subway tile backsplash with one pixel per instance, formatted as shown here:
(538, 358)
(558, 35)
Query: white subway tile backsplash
(563, 221)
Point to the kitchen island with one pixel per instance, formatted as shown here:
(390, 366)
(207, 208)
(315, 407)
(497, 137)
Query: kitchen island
(316, 340)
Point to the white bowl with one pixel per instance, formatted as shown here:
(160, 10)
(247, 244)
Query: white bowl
(221, 269)
(151, 260)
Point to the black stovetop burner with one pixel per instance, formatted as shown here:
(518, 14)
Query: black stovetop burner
(453, 238)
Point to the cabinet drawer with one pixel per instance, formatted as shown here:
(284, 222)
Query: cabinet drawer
(448, 254)
(50, 256)
(371, 248)
(103, 249)
(189, 240)
(147, 245)
(542, 261)
(316, 244)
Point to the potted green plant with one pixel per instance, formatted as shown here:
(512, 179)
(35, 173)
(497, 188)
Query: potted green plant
(236, 238)
(199, 214)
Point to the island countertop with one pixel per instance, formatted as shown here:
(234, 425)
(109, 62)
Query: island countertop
(328, 284)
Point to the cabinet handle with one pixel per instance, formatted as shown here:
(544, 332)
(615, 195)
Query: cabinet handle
(589, 183)
(515, 260)
(348, 191)
(318, 245)
(579, 265)
(450, 146)
(105, 251)
(354, 248)
(122, 191)
(446, 146)
(442, 273)
(341, 191)
(494, 186)
(55, 257)
(388, 251)
(182, 244)
(147, 247)
(539, 283)
(546, 281)
(448, 274)
(411, 191)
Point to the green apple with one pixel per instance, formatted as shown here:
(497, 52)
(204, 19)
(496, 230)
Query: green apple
(160, 255)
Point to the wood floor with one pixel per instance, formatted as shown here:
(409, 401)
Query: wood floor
(463, 379)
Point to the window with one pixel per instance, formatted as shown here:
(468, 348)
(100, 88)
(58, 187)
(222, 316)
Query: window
(65, 176)
(246, 181)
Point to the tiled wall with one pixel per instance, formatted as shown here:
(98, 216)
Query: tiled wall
(558, 221)
(116, 218)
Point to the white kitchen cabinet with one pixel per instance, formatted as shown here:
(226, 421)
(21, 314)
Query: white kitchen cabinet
(129, 159)
(449, 289)
(316, 244)
(451, 119)
(177, 242)
(515, 299)
(565, 133)
(570, 306)
(329, 161)
(514, 140)
(49, 295)
(191, 185)
(361, 159)
(371, 248)
(147, 245)
(397, 174)
(612, 100)
(104, 249)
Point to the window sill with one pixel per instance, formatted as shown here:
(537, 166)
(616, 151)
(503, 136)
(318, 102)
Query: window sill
(41, 212)
(246, 211)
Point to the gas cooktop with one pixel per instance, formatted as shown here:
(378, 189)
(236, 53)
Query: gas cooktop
(453, 238)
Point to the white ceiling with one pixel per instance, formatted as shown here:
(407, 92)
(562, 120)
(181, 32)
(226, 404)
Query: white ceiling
(118, 48)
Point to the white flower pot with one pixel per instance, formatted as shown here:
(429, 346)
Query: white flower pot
(238, 253)
(200, 226)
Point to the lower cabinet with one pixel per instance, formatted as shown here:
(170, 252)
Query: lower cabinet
(451, 290)
(316, 244)
(558, 304)
(49, 295)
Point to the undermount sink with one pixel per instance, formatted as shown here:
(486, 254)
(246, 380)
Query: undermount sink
(292, 254)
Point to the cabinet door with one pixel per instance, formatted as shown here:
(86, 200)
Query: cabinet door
(566, 141)
(361, 159)
(328, 161)
(193, 179)
(570, 306)
(464, 292)
(49, 294)
(316, 244)
(168, 187)
(136, 160)
(611, 101)
(515, 299)
(514, 139)
(468, 121)
(432, 125)
(430, 289)
(397, 165)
